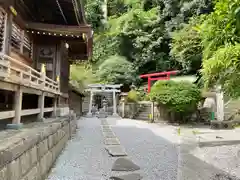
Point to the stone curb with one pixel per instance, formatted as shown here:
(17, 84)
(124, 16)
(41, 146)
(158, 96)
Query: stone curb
(218, 143)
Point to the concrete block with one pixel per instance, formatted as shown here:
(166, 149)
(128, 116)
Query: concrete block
(55, 138)
(66, 128)
(216, 125)
(15, 126)
(25, 163)
(33, 155)
(49, 160)
(14, 170)
(115, 150)
(17, 149)
(5, 158)
(45, 163)
(50, 142)
(55, 127)
(42, 148)
(33, 174)
(3, 173)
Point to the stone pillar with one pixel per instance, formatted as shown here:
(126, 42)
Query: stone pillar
(41, 106)
(16, 124)
(114, 104)
(220, 104)
(152, 112)
(123, 109)
(90, 104)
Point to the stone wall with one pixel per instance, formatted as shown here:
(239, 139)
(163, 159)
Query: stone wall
(30, 153)
(141, 110)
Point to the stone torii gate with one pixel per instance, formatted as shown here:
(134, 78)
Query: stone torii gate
(94, 88)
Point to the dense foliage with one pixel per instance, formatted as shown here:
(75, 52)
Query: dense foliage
(176, 96)
(115, 69)
(94, 13)
(186, 46)
(82, 74)
(133, 96)
(141, 31)
(220, 37)
(160, 35)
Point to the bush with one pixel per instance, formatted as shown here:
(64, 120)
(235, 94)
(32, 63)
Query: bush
(117, 70)
(132, 96)
(180, 98)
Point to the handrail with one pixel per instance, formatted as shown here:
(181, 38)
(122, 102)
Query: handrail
(30, 75)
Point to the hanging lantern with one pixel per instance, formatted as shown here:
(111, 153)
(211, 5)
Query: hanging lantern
(84, 36)
(13, 10)
(58, 78)
(43, 68)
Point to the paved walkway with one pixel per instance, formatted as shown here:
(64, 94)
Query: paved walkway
(155, 149)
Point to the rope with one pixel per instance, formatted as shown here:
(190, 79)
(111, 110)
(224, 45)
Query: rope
(60, 8)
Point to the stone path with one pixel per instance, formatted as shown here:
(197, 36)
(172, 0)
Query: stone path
(151, 148)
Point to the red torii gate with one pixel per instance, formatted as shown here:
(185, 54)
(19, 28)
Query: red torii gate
(155, 76)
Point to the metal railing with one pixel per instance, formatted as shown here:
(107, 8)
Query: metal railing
(17, 72)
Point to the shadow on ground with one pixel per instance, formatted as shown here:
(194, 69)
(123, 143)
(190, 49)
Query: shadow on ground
(159, 159)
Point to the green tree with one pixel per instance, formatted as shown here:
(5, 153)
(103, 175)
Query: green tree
(94, 13)
(116, 70)
(82, 74)
(220, 34)
(186, 46)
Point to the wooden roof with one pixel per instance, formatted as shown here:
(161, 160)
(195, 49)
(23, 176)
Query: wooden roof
(65, 18)
(65, 12)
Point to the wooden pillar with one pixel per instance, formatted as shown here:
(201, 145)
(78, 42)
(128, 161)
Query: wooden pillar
(41, 106)
(18, 106)
(7, 33)
(16, 123)
(149, 84)
(55, 100)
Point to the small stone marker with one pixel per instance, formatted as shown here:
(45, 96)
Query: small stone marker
(111, 141)
(133, 176)
(102, 114)
(106, 127)
(107, 131)
(123, 164)
(109, 135)
(104, 123)
(115, 150)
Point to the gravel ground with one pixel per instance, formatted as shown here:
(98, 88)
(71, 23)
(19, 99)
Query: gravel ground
(226, 158)
(84, 157)
(157, 157)
(152, 147)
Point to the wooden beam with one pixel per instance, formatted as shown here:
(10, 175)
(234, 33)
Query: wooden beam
(7, 114)
(48, 109)
(8, 86)
(27, 112)
(84, 28)
(31, 90)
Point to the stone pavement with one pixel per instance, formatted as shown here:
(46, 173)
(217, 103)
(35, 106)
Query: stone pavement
(157, 150)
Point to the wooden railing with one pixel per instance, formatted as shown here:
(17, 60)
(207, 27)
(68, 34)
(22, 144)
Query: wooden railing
(17, 72)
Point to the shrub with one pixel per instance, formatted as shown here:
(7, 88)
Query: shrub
(177, 97)
(132, 96)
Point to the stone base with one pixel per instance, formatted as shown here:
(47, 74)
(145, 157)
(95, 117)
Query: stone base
(115, 115)
(40, 119)
(14, 126)
(89, 115)
(222, 125)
